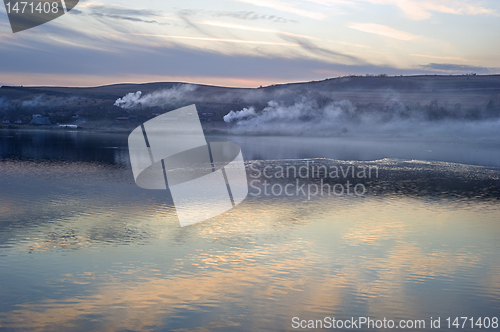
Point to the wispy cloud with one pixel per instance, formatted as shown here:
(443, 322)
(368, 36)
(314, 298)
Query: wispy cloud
(119, 10)
(241, 15)
(253, 28)
(253, 16)
(458, 69)
(419, 9)
(196, 27)
(128, 18)
(348, 44)
(324, 52)
(225, 40)
(115, 12)
(438, 57)
(382, 30)
(110, 10)
(422, 9)
(285, 7)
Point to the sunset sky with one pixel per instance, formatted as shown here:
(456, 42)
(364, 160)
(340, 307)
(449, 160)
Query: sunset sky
(252, 42)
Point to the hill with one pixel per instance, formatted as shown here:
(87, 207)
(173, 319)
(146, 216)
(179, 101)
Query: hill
(433, 97)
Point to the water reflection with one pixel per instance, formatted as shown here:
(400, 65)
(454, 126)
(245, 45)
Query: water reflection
(347, 259)
(82, 248)
(483, 153)
(66, 145)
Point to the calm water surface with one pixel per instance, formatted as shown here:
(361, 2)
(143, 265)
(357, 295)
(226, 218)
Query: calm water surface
(82, 248)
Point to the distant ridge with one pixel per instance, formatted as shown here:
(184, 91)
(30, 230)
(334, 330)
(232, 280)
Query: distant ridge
(450, 95)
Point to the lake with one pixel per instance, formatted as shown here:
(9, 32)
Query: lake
(82, 248)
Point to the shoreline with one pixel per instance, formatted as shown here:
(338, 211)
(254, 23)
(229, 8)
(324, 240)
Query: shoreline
(222, 130)
(100, 127)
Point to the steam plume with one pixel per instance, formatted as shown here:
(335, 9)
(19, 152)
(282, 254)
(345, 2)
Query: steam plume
(157, 98)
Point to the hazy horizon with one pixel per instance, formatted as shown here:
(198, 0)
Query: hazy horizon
(243, 87)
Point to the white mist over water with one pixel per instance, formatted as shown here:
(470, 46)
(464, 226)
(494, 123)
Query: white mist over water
(40, 101)
(310, 113)
(301, 117)
(306, 117)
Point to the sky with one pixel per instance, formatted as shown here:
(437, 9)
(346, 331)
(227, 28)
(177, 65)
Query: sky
(248, 43)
